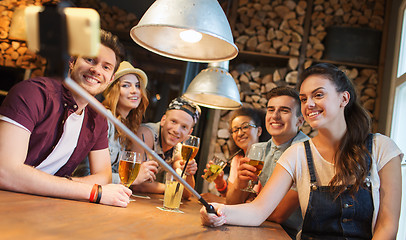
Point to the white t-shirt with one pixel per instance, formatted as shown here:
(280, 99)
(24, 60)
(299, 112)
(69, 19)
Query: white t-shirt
(66, 145)
(294, 161)
(64, 148)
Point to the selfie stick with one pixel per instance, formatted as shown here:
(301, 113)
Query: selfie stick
(54, 47)
(74, 87)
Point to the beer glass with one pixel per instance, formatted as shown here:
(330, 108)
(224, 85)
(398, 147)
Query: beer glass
(256, 156)
(215, 169)
(173, 193)
(129, 167)
(190, 147)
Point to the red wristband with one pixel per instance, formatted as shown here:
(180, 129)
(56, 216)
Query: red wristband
(224, 187)
(93, 193)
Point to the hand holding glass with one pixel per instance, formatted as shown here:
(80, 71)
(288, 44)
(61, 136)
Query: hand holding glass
(215, 169)
(190, 147)
(256, 156)
(129, 167)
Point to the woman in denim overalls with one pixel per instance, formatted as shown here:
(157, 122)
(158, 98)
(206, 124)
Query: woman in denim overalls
(348, 180)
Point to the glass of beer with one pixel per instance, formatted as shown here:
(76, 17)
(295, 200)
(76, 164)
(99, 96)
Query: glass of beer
(215, 169)
(256, 156)
(190, 147)
(173, 192)
(129, 167)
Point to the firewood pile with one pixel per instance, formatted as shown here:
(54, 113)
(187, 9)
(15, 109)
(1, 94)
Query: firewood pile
(270, 26)
(111, 17)
(14, 52)
(348, 13)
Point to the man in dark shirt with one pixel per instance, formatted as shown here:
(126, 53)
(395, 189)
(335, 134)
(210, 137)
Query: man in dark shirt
(46, 130)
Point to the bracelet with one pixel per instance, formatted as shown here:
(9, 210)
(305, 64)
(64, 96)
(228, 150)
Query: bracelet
(93, 193)
(99, 193)
(68, 177)
(222, 190)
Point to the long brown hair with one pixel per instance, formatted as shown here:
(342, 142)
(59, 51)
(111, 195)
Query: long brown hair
(350, 161)
(134, 118)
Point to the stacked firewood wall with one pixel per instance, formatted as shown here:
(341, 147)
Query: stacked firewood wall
(270, 26)
(111, 17)
(14, 52)
(353, 13)
(276, 28)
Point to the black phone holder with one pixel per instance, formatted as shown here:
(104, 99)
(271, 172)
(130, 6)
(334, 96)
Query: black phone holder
(53, 39)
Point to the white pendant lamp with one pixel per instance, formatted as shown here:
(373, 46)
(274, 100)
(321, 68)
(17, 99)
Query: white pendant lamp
(189, 30)
(214, 87)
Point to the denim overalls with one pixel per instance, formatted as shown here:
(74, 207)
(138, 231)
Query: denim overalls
(341, 218)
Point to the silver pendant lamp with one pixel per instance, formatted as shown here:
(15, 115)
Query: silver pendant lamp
(189, 30)
(214, 87)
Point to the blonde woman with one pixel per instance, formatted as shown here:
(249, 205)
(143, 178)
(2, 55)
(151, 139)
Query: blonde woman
(127, 100)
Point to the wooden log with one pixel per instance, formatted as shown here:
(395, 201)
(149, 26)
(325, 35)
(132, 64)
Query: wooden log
(267, 78)
(242, 39)
(14, 55)
(369, 92)
(369, 105)
(281, 10)
(293, 63)
(269, 86)
(291, 77)
(271, 34)
(277, 44)
(244, 78)
(252, 43)
(284, 50)
(253, 85)
(276, 76)
(255, 75)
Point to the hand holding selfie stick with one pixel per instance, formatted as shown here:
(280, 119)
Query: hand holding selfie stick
(74, 87)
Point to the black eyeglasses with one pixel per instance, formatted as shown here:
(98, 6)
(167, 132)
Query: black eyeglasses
(244, 127)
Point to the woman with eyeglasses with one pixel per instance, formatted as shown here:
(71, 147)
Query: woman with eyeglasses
(245, 129)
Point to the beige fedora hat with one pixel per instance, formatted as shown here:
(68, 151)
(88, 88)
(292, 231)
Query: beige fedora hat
(126, 68)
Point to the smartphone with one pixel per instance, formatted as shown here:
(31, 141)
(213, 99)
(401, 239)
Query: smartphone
(83, 29)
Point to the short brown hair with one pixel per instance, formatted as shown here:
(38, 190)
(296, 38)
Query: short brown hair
(111, 41)
(286, 91)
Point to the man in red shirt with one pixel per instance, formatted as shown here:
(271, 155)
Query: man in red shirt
(46, 131)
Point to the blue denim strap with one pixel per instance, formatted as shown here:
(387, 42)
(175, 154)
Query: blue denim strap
(310, 163)
(369, 147)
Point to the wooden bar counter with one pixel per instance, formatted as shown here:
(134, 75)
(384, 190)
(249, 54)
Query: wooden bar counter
(25, 216)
